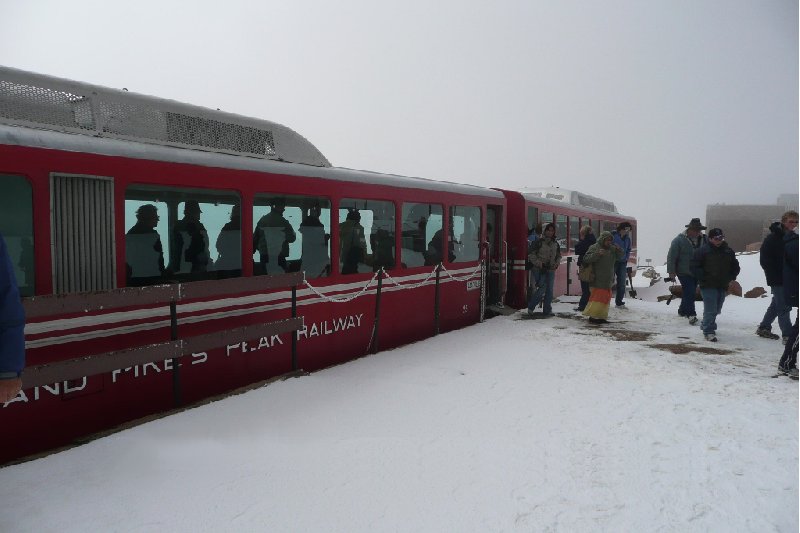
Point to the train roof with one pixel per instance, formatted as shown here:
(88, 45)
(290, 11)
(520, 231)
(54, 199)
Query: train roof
(50, 118)
(46, 102)
(556, 196)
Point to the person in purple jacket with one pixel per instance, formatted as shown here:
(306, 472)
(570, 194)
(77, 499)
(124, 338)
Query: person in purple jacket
(12, 329)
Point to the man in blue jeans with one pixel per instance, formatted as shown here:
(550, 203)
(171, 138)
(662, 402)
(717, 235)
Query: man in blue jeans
(715, 266)
(622, 239)
(545, 256)
(771, 258)
(679, 259)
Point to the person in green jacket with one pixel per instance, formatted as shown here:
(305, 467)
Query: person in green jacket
(679, 257)
(601, 256)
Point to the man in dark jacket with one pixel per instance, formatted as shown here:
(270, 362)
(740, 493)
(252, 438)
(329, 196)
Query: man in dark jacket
(622, 239)
(12, 329)
(772, 262)
(788, 362)
(679, 258)
(715, 266)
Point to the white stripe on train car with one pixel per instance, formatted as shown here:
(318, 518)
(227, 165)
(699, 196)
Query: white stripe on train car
(226, 307)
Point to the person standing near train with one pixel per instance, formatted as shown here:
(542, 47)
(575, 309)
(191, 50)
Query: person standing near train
(587, 239)
(679, 258)
(715, 266)
(12, 329)
(545, 257)
(622, 239)
(603, 256)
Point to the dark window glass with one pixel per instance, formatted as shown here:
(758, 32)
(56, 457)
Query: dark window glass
(292, 234)
(16, 225)
(421, 223)
(533, 218)
(463, 243)
(181, 234)
(366, 235)
(561, 231)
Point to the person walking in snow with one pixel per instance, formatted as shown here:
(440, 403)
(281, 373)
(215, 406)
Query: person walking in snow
(602, 256)
(622, 239)
(679, 258)
(788, 362)
(715, 266)
(587, 239)
(545, 257)
(771, 259)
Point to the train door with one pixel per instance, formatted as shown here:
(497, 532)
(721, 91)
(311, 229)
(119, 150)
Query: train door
(495, 274)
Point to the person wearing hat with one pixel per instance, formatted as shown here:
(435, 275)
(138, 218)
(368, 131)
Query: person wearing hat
(144, 255)
(679, 257)
(189, 242)
(715, 266)
(271, 226)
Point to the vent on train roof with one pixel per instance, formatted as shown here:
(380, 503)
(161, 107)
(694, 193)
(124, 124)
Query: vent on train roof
(43, 102)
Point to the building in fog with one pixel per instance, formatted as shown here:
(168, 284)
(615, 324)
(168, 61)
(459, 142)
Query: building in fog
(748, 224)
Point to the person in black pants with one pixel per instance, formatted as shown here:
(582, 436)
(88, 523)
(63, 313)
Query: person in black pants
(788, 362)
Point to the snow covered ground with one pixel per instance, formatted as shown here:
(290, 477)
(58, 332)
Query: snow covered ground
(510, 425)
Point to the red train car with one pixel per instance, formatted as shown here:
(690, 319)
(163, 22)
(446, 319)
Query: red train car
(569, 211)
(105, 189)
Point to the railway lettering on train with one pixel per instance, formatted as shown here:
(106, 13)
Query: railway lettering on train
(328, 327)
(187, 226)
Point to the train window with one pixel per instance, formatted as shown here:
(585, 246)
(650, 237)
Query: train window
(357, 219)
(561, 231)
(533, 218)
(596, 228)
(183, 234)
(421, 224)
(574, 228)
(16, 225)
(547, 218)
(465, 225)
(292, 234)
(609, 225)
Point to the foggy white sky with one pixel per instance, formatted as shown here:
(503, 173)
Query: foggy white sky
(690, 102)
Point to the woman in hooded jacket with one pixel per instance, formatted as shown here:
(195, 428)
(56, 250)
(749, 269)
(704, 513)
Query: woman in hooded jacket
(602, 256)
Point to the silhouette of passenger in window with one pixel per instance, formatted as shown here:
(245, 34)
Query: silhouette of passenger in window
(434, 254)
(353, 244)
(272, 237)
(144, 254)
(189, 242)
(229, 246)
(316, 262)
